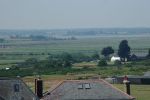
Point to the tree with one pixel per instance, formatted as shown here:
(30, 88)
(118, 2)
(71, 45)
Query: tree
(148, 55)
(2, 40)
(66, 56)
(107, 51)
(118, 64)
(67, 59)
(124, 50)
(95, 56)
(102, 62)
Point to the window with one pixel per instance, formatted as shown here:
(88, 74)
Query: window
(80, 86)
(87, 86)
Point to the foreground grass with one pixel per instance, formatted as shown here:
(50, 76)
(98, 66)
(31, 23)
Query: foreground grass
(140, 92)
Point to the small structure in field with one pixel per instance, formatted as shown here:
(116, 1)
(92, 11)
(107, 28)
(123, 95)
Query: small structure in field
(113, 59)
(135, 79)
(7, 68)
(147, 73)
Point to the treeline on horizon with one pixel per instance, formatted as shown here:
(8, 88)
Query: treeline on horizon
(76, 31)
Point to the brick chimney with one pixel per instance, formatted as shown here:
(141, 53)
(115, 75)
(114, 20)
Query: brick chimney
(127, 85)
(39, 87)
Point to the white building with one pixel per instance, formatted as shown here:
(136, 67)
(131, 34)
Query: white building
(113, 59)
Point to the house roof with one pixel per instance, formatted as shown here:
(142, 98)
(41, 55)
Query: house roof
(134, 76)
(11, 86)
(147, 73)
(85, 90)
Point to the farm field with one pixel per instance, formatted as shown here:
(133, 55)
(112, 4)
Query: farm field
(20, 50)
(24, 49)
(79, 45)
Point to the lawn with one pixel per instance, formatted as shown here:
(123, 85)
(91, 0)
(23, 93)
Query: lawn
(140, 92)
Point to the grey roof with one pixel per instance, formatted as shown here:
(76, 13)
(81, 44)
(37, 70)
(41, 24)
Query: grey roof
(15, 89)
(134, 76)
(98, 90)
(147, 73)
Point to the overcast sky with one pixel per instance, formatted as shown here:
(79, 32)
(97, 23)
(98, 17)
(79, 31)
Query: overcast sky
(49, 14)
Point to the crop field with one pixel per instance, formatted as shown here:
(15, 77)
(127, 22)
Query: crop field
(80, 45)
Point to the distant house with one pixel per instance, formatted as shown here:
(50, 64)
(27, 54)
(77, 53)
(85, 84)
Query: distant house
(147, 73)
(85, 90)
(15, 89)
(113, 59)
(135, 79)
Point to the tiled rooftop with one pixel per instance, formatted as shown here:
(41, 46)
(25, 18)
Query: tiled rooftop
(85, 90)
(15, 89)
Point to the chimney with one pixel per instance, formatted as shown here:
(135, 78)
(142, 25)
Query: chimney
(128, 88)
(39, 87)
(127, 85)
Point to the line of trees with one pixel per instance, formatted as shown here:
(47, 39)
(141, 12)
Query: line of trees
(123, 51)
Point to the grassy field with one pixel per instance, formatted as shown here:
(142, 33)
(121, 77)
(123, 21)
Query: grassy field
(82, 45)
(140, 92)
(20, 50)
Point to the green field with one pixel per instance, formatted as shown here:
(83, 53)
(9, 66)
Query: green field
(20, 50)
(140, 92)
(82, 45)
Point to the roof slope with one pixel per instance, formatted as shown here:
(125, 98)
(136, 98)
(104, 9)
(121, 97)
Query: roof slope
(97, 90)
(15, 89)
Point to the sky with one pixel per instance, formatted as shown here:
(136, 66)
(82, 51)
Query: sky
(54, 14)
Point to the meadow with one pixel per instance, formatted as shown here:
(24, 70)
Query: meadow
(18, 50)
(85, 45)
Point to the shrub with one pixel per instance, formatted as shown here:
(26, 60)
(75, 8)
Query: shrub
(102, 62)
(128, 65)
(118, 64)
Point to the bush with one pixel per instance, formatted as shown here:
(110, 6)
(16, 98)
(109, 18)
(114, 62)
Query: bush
(102, 63)
(118, 64)
(128, 65)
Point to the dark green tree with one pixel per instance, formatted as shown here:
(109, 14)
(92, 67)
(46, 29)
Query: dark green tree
(107, 51)
(95, 56)
(66, 56)
(2, 40)
(117, 63)
(102, 62)
(148, 55)
(124, 50)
